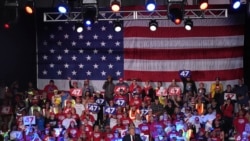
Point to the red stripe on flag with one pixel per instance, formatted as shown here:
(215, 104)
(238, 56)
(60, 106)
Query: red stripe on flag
(179, 54)
(172, 32)
(167, 76)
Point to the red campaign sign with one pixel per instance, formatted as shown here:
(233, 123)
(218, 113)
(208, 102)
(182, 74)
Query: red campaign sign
(174, 91)
(6, 110)
(161, 92)
(118, 88)
(76, 92)
(232, 96)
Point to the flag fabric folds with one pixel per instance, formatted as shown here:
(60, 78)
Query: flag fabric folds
(213, 48)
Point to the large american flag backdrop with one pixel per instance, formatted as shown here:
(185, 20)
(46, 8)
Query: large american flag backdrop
(214, 47)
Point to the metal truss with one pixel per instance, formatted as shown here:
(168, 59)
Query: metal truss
(135, 15)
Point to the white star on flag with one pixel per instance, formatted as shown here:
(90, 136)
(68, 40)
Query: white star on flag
(52, 65)
(95, 66)
(81, 66)
(88, 58)
(45, 57)
(59, 72)
(88, 73)
(59, 57)
(103, 73)
(95, 37)
(103, 58)
(66, 65)
(74, 72)
(66, 36)
(74, 58)
(66, 51)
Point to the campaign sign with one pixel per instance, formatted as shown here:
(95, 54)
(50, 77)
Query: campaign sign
(120, 102)
(174, 91)
(185, 73)
(29, 120)
(161, 92)
(58, 131)
(16, 135)
(232, 96)
(118, 88)
(76, 92)
(100, 101)
(110, 110)
(144, 112)
(94, 108)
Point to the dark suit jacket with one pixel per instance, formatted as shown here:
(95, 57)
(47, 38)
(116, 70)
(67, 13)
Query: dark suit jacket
(128, 138)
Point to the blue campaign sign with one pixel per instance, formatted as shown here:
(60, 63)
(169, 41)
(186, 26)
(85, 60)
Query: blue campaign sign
(110, 110)
(100, 101)
(144, 111)
(185, 73)
(94, 108)
(120, 102)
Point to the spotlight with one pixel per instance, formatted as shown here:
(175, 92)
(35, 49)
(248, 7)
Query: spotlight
(115, 5)
(6, 25)
(150, 5)
(117, 26)
(188, 24)
(203, 4)
(29, 7)
(236, 4)
(79, 27)
(89, 16)
(63, 7)
(176, 15)
(153, 25)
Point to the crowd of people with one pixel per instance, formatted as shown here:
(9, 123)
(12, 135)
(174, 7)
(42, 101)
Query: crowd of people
(126, 112)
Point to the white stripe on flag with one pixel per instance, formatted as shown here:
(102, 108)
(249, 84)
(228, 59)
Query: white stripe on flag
(191, 64)
(184, 43)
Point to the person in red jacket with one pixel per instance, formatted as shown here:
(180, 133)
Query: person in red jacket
(49, 89)
(240, 122)
(227, 110)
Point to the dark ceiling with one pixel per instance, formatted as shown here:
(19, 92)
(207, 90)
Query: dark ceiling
(106, 3)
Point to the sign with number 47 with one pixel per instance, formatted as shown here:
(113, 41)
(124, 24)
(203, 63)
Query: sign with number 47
(29, 120)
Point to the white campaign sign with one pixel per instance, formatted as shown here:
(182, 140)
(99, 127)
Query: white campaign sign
(232, 96)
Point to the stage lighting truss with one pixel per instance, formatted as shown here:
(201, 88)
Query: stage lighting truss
(136, 15)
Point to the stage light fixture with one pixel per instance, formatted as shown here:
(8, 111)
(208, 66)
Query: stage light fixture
(153, 25)
(115, 5)
(203, 4)
(236, 4)
(29, 7)
(176, 15)
(79, 27)
(150, 5)
(63, 7)
(117, 26)
(89, 16)
(6, 25)
(188, 24)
